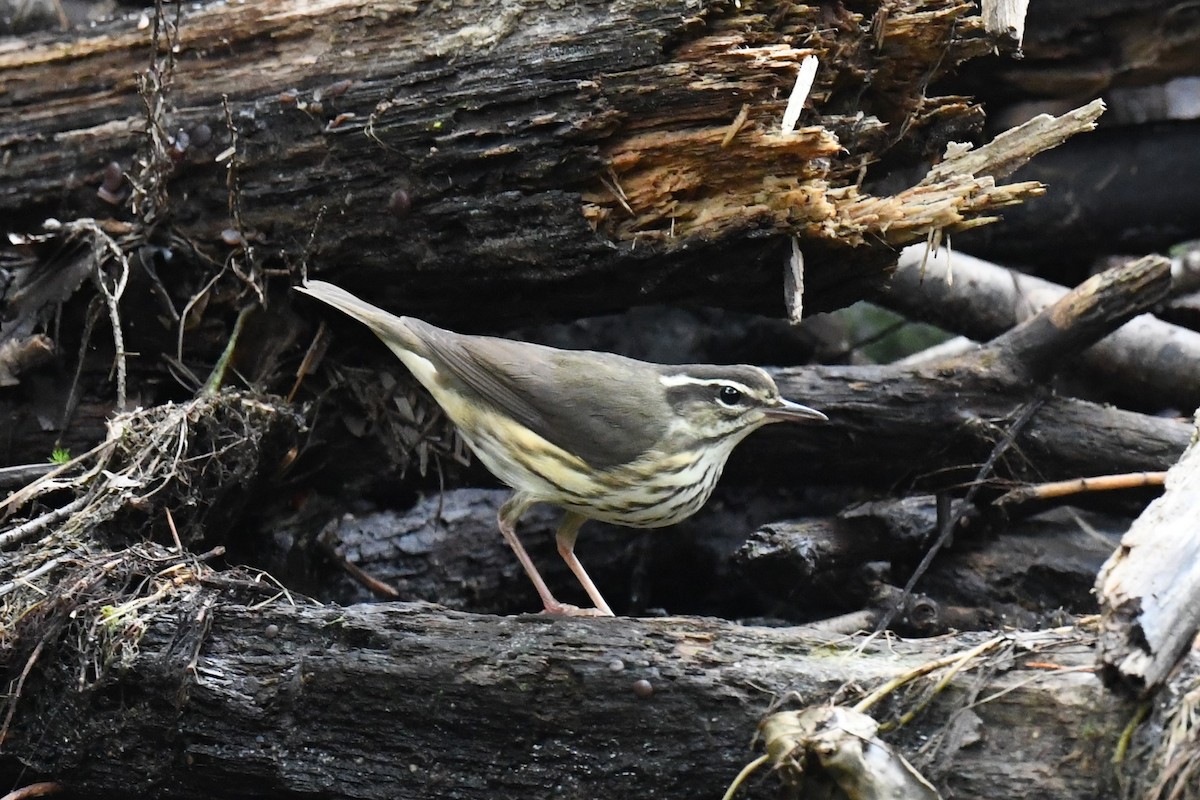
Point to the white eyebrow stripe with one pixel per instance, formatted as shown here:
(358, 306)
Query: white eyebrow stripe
(686, 380)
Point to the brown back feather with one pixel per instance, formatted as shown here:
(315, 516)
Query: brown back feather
(602, 407)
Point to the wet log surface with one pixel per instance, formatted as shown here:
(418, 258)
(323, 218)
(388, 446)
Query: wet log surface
(410, 700)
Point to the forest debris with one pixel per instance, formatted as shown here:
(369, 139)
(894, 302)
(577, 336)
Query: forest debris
(911, 215)
(1177, 751)
(1006, 17)
(496, 679)
(36, 289)
(793, 284)
(821, 747)
(1149, 590)
(959, 193)
(795, 104)
(21, 474)
(1083, 316)
(731, 132)
(1015, 147)
(202, 459)
(1099, 483)
(1147, 358)
(20, 355)
(74, 583)
(27, 530)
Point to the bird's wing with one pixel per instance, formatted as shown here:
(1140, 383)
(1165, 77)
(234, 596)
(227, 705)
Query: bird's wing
(605, 409)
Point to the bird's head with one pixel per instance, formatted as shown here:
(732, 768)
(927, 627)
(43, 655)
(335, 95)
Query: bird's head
(715, 403)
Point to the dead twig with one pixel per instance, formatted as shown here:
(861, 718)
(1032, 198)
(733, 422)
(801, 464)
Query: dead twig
(233, 185)
(1100, 483)
(950, 521)
(312, 355)
(33, 526)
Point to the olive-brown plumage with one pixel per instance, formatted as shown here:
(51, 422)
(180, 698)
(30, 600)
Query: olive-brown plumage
(603, 436)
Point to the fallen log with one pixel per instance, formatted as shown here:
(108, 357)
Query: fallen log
(1022, 574)
(1144, 361)
(410, 700)
(952, 411)
(441, 159)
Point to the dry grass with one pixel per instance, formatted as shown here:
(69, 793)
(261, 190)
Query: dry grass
(97, 549)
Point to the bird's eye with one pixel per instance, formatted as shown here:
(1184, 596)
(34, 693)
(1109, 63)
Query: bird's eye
(729, 396)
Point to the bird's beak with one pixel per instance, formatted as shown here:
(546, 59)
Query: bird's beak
(787, 411)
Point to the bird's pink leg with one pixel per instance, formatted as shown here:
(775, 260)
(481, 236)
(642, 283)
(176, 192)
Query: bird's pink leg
(510, 512)
(567, 532)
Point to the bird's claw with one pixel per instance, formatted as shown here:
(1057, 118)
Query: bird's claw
(568, 610)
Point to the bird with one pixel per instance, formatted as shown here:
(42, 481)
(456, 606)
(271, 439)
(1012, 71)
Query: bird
(599, 435)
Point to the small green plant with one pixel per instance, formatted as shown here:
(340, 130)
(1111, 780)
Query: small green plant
(60, 455)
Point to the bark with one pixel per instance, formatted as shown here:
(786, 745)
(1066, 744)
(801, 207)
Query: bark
(203, 709)
(1074, 50)
(946, 412)
(723, 562)
(1149, 589)
(1023, 577)
(413, 701)
(480, 164)
(442, 157)
(921, 425)
(888, 423)
(891, 424)
(1137, 204)
(1143, 363)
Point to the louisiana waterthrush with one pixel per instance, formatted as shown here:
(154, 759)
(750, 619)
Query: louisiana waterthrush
(602, 436)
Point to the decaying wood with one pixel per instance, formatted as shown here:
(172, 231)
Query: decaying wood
(410, 700)
(1013, 149)
(1006, 16)
(1135, 204)
(1039, 346)
(430, 162)
(1074, 50)
(212, 705)
(1147, 360)
(1150, 589)
(447, 549)
(1023, 577)
(953, 411)
(922, 421)
(451, 157)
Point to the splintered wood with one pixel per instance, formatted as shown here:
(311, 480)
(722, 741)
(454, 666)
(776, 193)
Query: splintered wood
(1149, 590)
(727, 177)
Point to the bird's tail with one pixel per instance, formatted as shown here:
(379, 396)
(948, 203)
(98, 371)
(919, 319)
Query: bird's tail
(393, 330)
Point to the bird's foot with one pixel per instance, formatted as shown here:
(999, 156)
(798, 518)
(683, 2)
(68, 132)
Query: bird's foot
(568, 610)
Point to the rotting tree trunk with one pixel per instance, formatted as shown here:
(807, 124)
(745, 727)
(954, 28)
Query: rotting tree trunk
(583, 156)
(400, 700)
